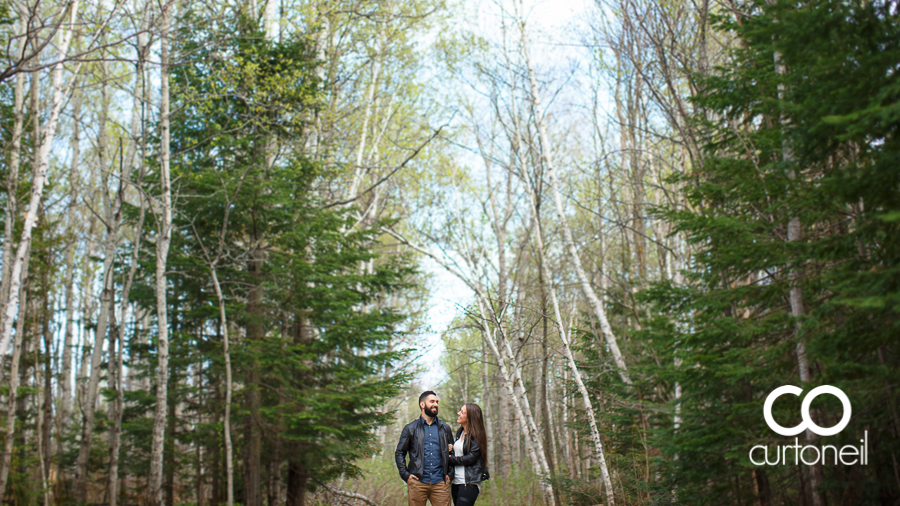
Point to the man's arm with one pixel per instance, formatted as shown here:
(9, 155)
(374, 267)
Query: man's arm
(400, 454)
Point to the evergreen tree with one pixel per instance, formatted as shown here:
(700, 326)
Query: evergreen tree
(311, 326)
(816, 141)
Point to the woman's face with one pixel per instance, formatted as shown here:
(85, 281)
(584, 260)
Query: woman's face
(461, 416)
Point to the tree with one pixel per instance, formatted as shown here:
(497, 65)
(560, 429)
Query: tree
(835, 108)
(316, 344)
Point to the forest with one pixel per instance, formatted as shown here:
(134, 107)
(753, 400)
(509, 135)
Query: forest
(227, 226)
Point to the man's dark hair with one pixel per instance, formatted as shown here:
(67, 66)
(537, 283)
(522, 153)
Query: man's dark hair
(425, 395)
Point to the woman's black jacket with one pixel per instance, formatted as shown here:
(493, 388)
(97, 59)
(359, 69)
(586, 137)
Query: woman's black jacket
(473, 460)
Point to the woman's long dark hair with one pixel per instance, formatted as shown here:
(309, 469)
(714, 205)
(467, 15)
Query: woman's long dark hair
(476, 428)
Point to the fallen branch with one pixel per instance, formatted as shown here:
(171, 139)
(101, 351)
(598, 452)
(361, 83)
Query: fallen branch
(351, 495)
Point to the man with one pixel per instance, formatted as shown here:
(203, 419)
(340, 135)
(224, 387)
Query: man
(426, 439)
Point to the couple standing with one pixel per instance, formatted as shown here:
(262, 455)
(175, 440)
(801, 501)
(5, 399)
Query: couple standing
(442, 467)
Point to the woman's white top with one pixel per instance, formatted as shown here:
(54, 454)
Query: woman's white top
(460, 472)
(459, 477)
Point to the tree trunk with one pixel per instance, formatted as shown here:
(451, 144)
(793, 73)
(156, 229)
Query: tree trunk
(229, 457)
(37, 189)
(223, 328)
(576, 373)
(296, 484)
(6, 297)
(507, 422)
(255, 334)
(107, 300)
(551, 435)
(65, 376)
(491, 452)
(12, 177)
(133, 162)
(163, 238)
(367, 115)
(30, 336)
(215, 455)
(114, 369)
(534, 448)
(12, 398)
(543, 401)
(169, 448)
(567, 439)
(796, 295)
(88, 302)
(199, 455)
(116, 344)
(761, 484)
(115, 407)
(584, 282)
(46, 418)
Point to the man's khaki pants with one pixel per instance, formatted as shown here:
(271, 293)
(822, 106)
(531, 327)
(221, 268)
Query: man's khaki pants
(419, 492)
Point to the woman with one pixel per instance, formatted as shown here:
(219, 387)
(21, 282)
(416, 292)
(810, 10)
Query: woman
(467, 455)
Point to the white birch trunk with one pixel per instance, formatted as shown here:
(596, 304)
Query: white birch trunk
(584, 283)
(576, 373)
(534, 450)
(229, 452)
(229, 384)
(37, 189)
(12, 181)
(65, 380)
(270, 20)
(11, 400)
(87, 313)
(567, 437)
(367, 115)
(553, 435)
(107, 301)
(489, 455)
(163, 238)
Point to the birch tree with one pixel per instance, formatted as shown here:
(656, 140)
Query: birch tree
(163, 214)
(112, 220)
(587, 289)
(61, 91)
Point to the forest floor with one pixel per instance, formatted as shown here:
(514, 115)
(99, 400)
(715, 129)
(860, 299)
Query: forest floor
(380, 482)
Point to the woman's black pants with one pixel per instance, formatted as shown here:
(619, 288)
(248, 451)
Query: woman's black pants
(464, 495)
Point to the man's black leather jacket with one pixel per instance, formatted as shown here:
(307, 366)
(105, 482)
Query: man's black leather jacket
(473, 460)
(412, 441)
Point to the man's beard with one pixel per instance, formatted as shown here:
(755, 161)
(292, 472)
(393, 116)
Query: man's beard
(432, 412)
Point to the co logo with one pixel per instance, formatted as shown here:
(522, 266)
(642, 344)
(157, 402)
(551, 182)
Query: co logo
(807, 423)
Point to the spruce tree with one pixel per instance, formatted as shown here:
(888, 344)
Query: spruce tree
(816, 142)
(310, 326)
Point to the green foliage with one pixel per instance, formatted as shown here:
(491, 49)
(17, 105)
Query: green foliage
(306, 293)
(578, 492)
(5, 18)
(817, 143)
(463, 362)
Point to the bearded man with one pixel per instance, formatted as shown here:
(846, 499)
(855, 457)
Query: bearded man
(426, 440)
